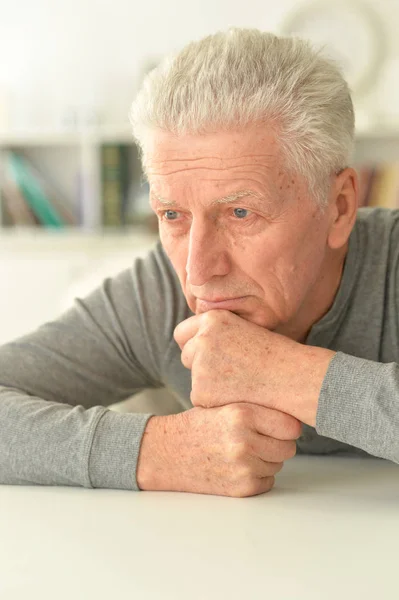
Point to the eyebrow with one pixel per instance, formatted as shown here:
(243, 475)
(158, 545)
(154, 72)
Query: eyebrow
(225, 200)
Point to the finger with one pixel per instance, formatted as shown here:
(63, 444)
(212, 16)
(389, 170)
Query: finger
(266, 484)
(275, 423)
(266, 468)
(186, 330)
(271, 450)
(263, 485)
(188, 353)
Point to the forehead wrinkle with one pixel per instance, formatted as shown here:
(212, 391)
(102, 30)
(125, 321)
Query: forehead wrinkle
(154, 165)
(199, 158)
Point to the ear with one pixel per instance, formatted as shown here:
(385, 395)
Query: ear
(343, 207)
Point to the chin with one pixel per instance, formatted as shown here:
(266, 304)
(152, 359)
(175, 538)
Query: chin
(257, 317)
(261, 317)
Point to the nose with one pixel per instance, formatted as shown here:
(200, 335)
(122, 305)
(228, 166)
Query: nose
(207, 254)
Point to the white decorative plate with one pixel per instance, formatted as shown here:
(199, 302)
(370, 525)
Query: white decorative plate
(350, 32)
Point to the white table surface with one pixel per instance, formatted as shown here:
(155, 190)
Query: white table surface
(328, 529)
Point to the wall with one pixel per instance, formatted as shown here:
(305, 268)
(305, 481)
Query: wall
(57, 53)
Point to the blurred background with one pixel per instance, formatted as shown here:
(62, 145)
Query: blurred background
(74, 207)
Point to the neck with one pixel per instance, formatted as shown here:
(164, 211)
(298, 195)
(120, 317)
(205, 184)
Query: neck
(319, 299)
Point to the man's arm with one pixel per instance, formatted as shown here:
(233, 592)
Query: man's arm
(56, 382)
(349, 399)
(359, 405)
(43, 442)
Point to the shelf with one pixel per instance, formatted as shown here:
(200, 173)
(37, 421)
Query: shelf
(18, 239)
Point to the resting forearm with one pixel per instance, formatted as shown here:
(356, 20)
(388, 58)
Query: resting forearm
(359, 405)
(49, 443)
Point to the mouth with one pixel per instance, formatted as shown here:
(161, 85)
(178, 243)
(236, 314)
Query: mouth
(232, 304)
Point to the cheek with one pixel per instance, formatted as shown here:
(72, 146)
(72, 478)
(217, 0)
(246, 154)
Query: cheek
(311, 251)
(303, 263)
(283, 267)
(177, 251)
(266, 258)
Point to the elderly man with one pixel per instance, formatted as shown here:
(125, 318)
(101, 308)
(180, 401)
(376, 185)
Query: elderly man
(269, 308)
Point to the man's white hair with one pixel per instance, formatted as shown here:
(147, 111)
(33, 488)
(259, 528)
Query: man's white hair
(239, 77)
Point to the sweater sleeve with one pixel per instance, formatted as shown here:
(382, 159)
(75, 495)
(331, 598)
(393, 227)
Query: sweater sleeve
(359, 405)
(56, 384)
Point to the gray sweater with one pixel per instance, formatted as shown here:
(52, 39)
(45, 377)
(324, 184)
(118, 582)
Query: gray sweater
(56, 382)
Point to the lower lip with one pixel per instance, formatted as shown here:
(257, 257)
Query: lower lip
(234, 304)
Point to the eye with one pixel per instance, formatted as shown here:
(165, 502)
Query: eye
(170, 215)
(241, 213)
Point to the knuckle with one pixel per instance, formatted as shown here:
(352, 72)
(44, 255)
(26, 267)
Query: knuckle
(216, 317)
(184, 357)
(237, 413)
(245, 472)
(268, 484)
(246, 489)
(201, 342)
(290, 449)
(200, 394)
(238, 451)
(292, 427)
(224, 316)
(254, 487)
(296, 429)
(210, 317)
(276, 468)
(278, 451)
(194, 398)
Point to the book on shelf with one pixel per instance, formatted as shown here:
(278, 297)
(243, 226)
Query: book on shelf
(125, 201)
(114, 180)
(15, 209)
(29, 198)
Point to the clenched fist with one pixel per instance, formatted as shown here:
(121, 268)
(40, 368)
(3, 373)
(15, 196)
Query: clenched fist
(234, 360)
(232, 450)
